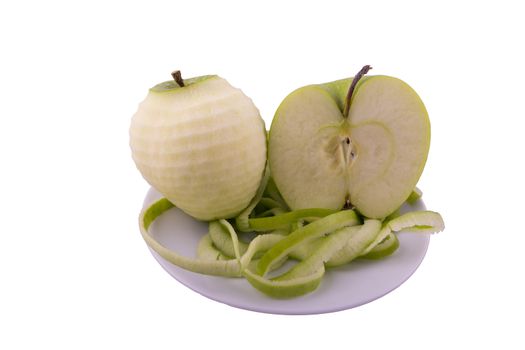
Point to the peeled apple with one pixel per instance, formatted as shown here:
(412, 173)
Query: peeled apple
(201, 143)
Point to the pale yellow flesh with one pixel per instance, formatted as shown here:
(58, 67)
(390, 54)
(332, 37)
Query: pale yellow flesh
(306, 176)
(202, 146)
(389, 131)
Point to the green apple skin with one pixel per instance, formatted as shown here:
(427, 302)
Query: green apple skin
(372, 159)
(202, 146)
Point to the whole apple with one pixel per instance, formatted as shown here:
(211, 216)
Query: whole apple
(201, 143)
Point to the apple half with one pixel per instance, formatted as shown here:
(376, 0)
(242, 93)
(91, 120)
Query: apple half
(360, 142)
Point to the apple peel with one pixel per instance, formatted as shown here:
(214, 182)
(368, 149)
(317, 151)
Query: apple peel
(307, 233)
(221, 253)
(229, 268)
(423, 221)
(283, 221)
(206, 250)
(222, 239)
(354, 247)
(286, 288)
(385, 248)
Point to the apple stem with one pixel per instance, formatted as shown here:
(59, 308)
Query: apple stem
(178, 78)
(356, 79)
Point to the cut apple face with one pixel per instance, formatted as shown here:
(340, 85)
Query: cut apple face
(371, 158)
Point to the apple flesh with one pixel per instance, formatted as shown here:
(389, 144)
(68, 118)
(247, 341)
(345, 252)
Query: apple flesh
(202, 145)
(371, 158)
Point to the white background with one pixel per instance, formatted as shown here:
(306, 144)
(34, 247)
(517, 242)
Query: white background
(74, 271)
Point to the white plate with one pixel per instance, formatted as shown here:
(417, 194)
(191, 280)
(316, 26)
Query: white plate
(345, 287)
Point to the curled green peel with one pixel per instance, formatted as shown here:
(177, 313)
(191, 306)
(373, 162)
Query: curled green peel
(324, 250)
(383, 233)
(358, 242)
(283, 289)
(283, 221)
(222, 239)
(388, 246)
(307, 233)
(271, 203)
(331, 240)
(228, 268)
(235, 240)
(273, 192)
(424, 221)
(207, 251)
(415, 195)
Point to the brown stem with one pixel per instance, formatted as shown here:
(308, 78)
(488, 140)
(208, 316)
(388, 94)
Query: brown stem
(356, 79)
(178, 78)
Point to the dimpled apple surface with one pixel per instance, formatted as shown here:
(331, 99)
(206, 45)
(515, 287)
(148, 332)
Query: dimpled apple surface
(361, 142)
(202, 144)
